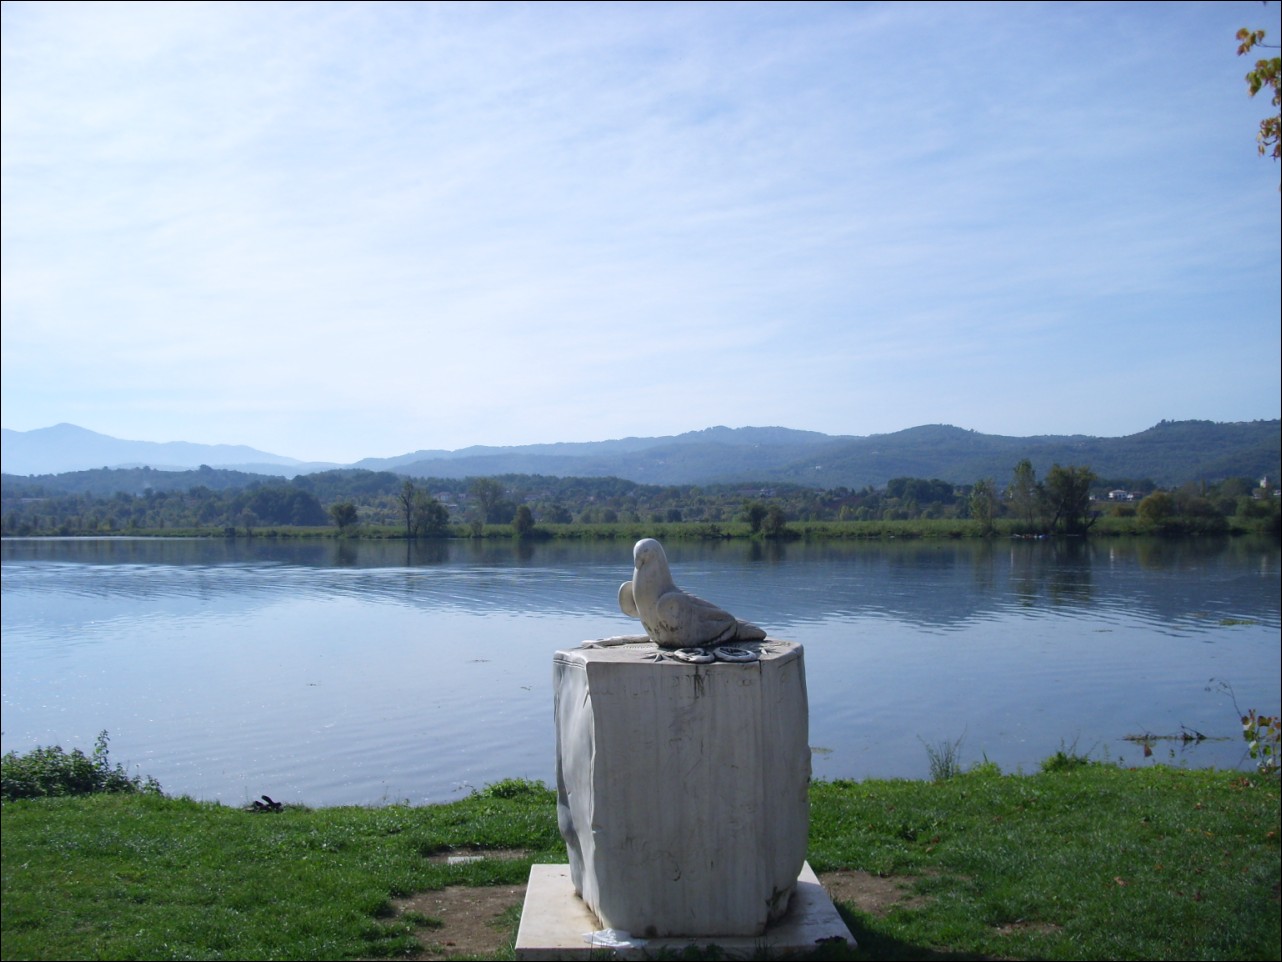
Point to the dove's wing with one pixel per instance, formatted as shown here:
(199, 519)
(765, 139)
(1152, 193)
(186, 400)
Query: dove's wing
(627, 602)
(678, 607)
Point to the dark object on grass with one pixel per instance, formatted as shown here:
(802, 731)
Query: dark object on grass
(266, 805)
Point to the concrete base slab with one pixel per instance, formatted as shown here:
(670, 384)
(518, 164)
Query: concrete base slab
(554, 922)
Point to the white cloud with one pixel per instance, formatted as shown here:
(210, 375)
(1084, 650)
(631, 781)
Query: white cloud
(315, 228)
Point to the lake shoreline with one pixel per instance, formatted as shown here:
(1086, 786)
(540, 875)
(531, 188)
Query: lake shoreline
(923, 529)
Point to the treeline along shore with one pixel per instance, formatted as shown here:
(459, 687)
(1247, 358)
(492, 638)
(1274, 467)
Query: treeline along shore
(208, 502)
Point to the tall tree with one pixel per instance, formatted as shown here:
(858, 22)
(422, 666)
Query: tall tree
(523, 522)
(775, 523)
(405, 498)
(1264, 77)
(1068, 498)
(983, 504)
(343, 513)
(1025, 494)
(488, 495)
(431, 518)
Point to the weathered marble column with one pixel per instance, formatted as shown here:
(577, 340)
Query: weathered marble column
(682, 788)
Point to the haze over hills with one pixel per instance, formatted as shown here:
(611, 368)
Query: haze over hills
(67, 447)
(1170, 453)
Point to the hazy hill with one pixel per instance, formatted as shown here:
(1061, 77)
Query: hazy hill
(66, 447)
(697, 457)
(598, 453)
(1170, 453)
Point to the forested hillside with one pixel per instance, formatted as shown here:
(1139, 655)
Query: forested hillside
(1069, 498)
(1169, 454)
(767, 476)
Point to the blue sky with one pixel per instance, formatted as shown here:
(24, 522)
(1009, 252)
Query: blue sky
(342, 230)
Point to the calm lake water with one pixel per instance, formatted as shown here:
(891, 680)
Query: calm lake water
(332, 673)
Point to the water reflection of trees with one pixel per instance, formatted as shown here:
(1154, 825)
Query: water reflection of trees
(1058, 569)
(938, 584)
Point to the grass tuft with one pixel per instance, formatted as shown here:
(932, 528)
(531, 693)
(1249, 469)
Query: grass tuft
(1067, 759)
(945, 758)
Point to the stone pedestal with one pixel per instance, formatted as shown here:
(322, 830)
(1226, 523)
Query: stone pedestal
(682, 788)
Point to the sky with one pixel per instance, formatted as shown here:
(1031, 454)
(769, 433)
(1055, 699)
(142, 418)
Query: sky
(345, 230)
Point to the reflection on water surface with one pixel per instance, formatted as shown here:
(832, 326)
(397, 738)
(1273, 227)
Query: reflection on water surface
(332, 672)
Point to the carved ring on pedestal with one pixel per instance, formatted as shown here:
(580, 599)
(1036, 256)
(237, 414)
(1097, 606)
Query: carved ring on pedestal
(696, 656)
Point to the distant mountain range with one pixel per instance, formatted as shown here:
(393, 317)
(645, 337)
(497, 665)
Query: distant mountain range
(66, 447)
(1170, 453)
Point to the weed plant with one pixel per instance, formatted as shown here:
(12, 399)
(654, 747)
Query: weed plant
(945, 759)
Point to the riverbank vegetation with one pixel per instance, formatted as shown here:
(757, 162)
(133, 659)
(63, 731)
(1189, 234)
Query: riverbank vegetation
(50, 772)
(352, 503)
(1082, 860)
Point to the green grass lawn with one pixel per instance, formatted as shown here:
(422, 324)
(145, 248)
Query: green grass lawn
(1086, 862)
(1090, 862)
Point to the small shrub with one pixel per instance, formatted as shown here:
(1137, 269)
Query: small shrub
(46, 772)
(1066, 759)
(1262, 734)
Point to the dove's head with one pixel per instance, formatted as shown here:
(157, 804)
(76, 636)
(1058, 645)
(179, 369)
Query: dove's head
(652, 575)
(647, 551)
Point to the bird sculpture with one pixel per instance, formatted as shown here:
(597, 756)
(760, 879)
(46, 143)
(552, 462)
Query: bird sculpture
(674, 618)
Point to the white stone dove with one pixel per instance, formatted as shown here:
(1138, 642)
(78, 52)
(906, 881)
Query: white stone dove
(674, 618)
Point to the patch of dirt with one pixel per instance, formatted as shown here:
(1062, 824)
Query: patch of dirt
(476, 920)
(874, 894)
(481, 920)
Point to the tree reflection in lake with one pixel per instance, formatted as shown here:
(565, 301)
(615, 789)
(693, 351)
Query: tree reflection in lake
(351, 671)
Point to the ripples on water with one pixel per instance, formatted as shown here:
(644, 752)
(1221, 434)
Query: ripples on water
(336, 672)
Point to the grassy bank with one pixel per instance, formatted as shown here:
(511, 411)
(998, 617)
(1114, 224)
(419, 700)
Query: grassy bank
(1086, 861)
